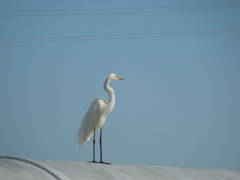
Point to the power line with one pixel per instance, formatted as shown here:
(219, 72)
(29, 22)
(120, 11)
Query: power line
(108, 11)
(226, 5)
(113, 37)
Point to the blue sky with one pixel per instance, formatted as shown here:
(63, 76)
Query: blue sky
(179, 104)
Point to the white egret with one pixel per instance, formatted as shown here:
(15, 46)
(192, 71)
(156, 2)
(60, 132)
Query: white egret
(96, 116)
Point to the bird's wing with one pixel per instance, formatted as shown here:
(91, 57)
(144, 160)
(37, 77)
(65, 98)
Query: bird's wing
(91, 120)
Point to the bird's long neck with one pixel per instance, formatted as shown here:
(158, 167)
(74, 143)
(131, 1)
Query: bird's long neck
(109, 90)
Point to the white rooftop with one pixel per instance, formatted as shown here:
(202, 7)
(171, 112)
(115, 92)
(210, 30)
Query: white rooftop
(12, 168)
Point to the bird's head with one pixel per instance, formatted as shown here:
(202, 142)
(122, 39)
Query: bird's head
(115, 77)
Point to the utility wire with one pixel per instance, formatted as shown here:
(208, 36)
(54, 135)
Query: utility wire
(109, 11)
(113, 37)
(131, 8)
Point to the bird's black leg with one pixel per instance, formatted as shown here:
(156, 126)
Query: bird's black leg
(93, 148)
(100, 142)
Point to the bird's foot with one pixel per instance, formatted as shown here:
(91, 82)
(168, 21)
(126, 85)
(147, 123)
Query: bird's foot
(100, 162)
(105, 163)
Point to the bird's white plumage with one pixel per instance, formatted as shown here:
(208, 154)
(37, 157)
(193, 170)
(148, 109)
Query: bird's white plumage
(97, 112)
(92, 119)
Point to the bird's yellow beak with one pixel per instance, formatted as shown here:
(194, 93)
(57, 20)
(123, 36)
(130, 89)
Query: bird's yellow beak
(120, 78)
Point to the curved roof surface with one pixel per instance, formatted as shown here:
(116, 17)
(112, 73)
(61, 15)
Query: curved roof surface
(12, 168)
